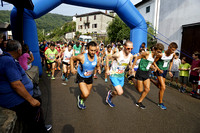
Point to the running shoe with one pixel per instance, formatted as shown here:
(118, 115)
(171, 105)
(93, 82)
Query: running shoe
(80, 103)
(139, 104)
(183, 90)
(108, 99)
(63, 77)
(66, 79)
(106, 80)
(55, 68)
(95, 76)
(48, 127)
(48, 74)
(130, 77)
(58, 68)
(193, 92)
(162, 106)
(180, 90)
(52, 77)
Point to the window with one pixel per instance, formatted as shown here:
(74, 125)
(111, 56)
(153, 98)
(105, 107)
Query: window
(81, 27)
(147, 9)
(87, 18)
(95, 17)
(94, 25)
(80, 18)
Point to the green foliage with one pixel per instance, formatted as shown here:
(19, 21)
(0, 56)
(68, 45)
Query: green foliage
(49, 23)
(117, 30)
(5, 16)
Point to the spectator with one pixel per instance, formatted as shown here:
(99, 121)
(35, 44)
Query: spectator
(16, 90)
(31, 59)
(175, 68)
(143, 46)
(194, 75)
(23, 59)
(184, 74)
(1, 40)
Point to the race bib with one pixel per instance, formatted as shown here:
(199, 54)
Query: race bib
(52, 57)
(165, 63)
(77, 52)
(88, 73)
(148, 66)
(120, 69)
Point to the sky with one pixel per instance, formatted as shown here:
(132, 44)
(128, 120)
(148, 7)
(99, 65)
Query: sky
(65, 9)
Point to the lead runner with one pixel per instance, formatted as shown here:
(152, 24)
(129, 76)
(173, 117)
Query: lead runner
(88, 62)
(120, 61)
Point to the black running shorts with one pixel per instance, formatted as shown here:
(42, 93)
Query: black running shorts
(142, 75)
(80, 79)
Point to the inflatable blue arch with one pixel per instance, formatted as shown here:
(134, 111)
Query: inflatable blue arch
(124, 8)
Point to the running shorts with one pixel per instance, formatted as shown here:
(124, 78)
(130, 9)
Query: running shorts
(164, 74)
(80, 79)
(66, 63)
(142, 75)
(117, 81)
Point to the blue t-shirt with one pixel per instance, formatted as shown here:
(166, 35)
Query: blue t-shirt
(11, 71)
(86, 69)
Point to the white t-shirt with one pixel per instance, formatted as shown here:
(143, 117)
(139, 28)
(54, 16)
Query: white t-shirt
(67, 55)
(176, 63)
(1, 52)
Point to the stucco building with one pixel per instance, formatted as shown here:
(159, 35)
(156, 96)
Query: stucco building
(94, 22)
(174, 20)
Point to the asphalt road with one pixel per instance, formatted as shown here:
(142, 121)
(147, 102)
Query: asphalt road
(60, 109)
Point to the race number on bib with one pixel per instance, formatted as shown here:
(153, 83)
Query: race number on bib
(88, 73)
(165, 63)
(77, 52)
(148, 66)
(120, 69)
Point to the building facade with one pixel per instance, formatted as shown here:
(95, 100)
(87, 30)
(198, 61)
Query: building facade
(174, 20)
(94, 22)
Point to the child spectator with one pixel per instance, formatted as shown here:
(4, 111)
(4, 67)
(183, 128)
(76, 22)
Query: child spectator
(194, 75)
(31, 59)
(23, 59)
(175, 68)
(184, 74)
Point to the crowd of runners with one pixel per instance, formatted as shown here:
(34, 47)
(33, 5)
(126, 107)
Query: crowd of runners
(85, 60)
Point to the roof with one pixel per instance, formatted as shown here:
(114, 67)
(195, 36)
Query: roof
(141, 3)
(93, 13)
(4, 26)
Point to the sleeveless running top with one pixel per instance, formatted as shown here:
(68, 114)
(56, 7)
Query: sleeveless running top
(145, 64)
(86, 69)
(163, 62)
(67, 55)
(108, 54)
(118, 67)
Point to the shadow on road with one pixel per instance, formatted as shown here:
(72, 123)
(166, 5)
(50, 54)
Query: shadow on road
(68, 129)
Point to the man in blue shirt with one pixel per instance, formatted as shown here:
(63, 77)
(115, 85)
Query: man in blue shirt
(16, 89)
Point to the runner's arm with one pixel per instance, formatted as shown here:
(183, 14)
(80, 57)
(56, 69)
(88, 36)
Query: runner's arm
(154, 63)
(79, 57)
(98, 65)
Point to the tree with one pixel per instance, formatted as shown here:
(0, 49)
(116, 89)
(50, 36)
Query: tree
(117, 30)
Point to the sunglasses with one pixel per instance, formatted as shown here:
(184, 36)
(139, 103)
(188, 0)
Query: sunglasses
(129, 48)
